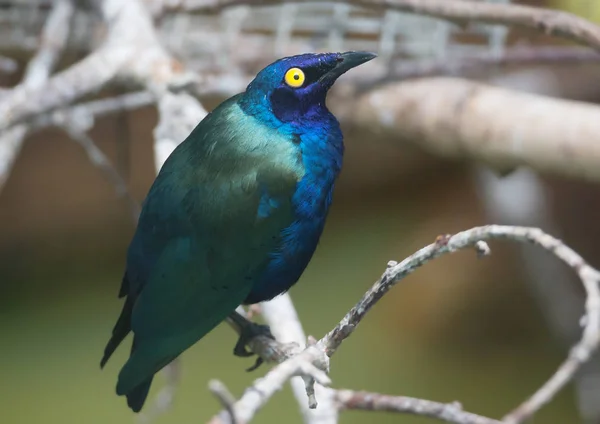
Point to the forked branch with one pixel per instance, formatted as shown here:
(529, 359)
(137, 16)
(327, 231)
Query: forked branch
(317, 354)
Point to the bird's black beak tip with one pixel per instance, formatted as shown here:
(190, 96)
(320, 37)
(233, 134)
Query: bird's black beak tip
(352, 59)
(347, 61)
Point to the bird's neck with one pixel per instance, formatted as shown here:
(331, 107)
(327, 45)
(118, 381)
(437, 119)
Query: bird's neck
(322, 150)
(316, 133)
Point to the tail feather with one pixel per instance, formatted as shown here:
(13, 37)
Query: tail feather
(137, 397)
(120, 331)
(141, 364)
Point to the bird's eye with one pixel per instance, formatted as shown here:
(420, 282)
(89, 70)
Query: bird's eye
(294, 77)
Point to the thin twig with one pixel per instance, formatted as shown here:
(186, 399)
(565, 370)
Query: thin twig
(109, 105)
(259, 393)
(448, 412)
(101, 161)
(227, 400)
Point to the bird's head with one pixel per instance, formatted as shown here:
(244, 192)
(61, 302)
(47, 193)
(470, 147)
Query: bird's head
(295, 87)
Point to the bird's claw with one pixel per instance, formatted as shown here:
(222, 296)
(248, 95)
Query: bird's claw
(258, 363)
(248, 331)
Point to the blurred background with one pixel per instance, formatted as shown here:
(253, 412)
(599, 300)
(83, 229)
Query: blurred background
(484, 332)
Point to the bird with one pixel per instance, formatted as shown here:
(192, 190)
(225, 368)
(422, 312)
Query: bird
(234, 215)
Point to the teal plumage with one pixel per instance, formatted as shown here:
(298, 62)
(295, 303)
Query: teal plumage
(234, 215)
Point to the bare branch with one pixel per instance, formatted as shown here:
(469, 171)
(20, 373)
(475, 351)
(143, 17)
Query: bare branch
(285, 325)
(459, 118)
(257, 395)
(225, 397)
(551, 22)
(85, 77)
(83, 115)
(466, 239)
(290, 340)
(101, 161)
(109, 105)
(53, 40)
(448, 412)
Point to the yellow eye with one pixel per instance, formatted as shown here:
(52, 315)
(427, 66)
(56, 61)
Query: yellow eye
(294, 77)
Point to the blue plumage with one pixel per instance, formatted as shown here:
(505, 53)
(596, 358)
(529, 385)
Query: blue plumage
(234, 215)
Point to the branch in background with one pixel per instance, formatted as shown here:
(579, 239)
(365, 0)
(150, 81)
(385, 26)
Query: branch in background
(158, 72)
(8, 65)
(549, 21)
(85, 77)
(448, 412)
(462, 119)
(469, 64)
(77, 120)
(130, 52)
(163, 401)
(257, 395)
(227, 400)
(99, 160)
(123, 43)
(89, 111)
(476, 238)
(53, 40)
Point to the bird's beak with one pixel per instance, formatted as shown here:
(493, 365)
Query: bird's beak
(347, 61)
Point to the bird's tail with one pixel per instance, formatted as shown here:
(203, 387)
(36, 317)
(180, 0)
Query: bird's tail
(143, 363)
(120, 331)
(137, 397)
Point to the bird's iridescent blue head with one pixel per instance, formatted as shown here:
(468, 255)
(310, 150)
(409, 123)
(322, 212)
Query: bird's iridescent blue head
(295, 87)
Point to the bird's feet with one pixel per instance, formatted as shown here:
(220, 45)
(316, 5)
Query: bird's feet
(248, 330)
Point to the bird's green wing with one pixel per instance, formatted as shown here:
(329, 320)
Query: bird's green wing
(179, 305)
